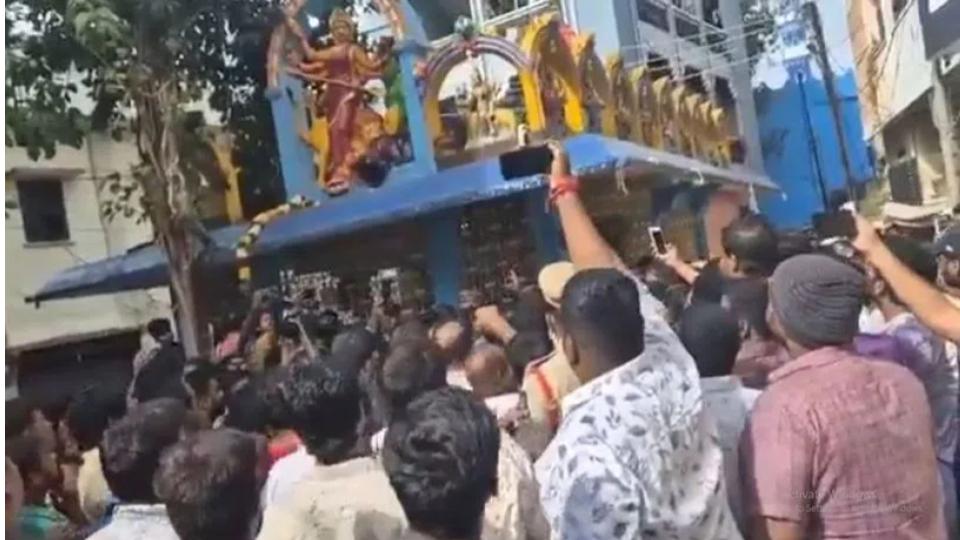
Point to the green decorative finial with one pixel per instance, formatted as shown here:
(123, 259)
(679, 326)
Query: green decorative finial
(465, 27)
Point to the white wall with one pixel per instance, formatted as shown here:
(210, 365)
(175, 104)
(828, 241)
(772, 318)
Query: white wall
(903, 73)
(30, 266)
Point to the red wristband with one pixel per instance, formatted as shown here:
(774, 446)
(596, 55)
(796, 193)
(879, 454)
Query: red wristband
(560, 186)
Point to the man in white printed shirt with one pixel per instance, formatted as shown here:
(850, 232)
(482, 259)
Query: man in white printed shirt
(635, 456)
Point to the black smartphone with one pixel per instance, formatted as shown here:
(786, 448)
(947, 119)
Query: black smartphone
(840, 224)
(529, 161)
(659, 242)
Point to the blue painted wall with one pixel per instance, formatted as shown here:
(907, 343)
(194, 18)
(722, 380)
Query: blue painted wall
(787, 155)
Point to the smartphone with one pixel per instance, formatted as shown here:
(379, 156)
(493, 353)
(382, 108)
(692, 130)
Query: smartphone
(839, 224)
(525, 162)
(659, 242)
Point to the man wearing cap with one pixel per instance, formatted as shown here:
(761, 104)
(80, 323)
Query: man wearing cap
(925, 301)
(549, 380)
(837, 446)
(947, 249)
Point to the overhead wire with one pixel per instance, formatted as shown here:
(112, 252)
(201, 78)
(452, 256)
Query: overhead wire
(686, 41)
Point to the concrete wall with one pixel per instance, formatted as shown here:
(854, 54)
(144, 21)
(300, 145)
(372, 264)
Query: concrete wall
(91, 239)
(893, 65)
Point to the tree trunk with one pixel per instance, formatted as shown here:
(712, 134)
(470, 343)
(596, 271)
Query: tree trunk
(169, 199)
(185, 278)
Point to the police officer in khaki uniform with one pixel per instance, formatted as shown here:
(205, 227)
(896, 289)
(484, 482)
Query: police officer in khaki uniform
(548, 380)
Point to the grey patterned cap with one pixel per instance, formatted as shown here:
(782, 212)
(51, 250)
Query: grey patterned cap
(817, 300)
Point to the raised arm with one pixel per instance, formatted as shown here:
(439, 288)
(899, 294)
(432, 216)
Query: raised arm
(587, 248)
(928, 303)
(672, 259)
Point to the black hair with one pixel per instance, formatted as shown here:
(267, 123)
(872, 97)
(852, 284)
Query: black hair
(532, 340)
(794, 242)
(326, 326)
(91, 411)
(198, 374)
(600, 309)
(747, 300)
(709, 285)
(161, 376)
(441, 457)
(131, 448)
(753, 241)
(208, 483)
(257, 406)
(530, 311)
(712, 337)
(19, 416)
(526, 347)
(289, 330)
(409, 369)
(323, 407)
(654, 272)
(914, 256)
(159, 328)
(354, 347)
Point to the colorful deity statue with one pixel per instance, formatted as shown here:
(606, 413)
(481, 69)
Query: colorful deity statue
(482, 105)
(552, 96)
(356, 135)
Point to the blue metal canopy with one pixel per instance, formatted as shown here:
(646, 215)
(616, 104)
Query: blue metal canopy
(146, 267)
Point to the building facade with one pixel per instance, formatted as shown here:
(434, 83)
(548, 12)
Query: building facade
(54, 222)
(700, 43)
(910, 98)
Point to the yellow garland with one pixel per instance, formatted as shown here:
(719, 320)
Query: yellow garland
(258, 224)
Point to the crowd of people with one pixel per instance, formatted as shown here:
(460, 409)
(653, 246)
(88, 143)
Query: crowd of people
(779, 392)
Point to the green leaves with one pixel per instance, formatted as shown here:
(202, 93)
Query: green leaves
(116, 54)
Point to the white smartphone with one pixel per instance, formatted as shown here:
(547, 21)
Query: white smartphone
(659, 242)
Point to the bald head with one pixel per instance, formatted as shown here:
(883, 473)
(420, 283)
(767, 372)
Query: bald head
(488, 371)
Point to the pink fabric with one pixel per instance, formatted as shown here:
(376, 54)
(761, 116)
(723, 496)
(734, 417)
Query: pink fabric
(230, 346)
(844, 445)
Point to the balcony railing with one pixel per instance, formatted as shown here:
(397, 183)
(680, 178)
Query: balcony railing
(500, 12)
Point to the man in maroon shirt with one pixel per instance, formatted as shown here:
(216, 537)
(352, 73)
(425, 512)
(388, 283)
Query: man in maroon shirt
(837, 446)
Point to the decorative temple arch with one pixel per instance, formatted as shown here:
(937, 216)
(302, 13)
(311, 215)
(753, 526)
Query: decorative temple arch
(597, 92)
(649, 129)
(663, 132)
(548, 48)
(619, 116)
(442, 61)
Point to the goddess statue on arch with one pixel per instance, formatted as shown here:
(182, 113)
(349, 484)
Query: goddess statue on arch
(355, 143)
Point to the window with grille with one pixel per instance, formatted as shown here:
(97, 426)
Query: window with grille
(43, 210)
